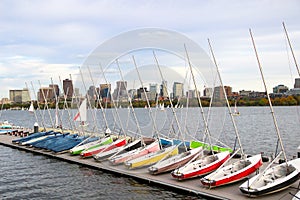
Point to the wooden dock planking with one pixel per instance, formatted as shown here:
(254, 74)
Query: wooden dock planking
(193, 186)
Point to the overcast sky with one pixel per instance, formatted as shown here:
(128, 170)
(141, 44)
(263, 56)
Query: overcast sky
(40, 40)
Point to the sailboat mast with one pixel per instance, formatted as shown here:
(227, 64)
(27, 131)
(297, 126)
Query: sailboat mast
(31, 103)
(172, 107)
(46, 104)
(98, 101)
(288, 39)
(130, 101)
(270, 103)
(39, 108)
(113, 102)
(89, 101)
(57, 124)
(227, 102)
(147, 100)
(206, 131)
(66, 104)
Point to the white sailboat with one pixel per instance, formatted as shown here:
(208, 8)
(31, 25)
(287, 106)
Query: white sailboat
(31, 108)
(81, 115)
(235, 111)
(237, 170)
(273, 178)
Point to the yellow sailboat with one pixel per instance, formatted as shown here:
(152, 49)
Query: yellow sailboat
(152, 158)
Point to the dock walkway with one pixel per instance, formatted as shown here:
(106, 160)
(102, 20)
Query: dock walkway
(192, 186)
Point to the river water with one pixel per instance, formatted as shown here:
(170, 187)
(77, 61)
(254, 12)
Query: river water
(29, 176)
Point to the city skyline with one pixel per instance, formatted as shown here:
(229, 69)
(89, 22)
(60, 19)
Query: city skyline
(42, 40)
(122, 92)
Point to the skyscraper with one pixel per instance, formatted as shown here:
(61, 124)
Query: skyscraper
(68, 88)
(105, 94)
(177, 90)
(19, 96)
(46, 94)
(153, 87)
(297, 83)
(163, 89)
(55, 88)
(120, 90)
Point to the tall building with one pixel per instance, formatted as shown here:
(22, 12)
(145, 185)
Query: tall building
(132, 93)
(68, 88)
(120, 90)
(141, 91)
(105, 94)
(228, 90)
(191, 94)
(297, 83)
(177, 90)
(19, 96)
(164, 89)
(153, 87)
(219, 93)
(92, 92)
(207, 92)
(55, 88)
(46, 94)
(122, 85)
(152, 91)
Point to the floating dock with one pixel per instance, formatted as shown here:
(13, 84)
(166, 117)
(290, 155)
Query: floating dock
(192, 186)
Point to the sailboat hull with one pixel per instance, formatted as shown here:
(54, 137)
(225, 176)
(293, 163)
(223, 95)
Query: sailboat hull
(78, 149)
(272, 180)
(152, 158)
(103, 148)
(216, 148)
(134, 153)
(201, 167)
(129, 146)
(174, 162)
(230, 173)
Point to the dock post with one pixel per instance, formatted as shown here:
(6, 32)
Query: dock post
(36, 127)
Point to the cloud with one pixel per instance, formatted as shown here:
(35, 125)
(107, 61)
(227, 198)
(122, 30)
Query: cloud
(23, 70)
(52, 36)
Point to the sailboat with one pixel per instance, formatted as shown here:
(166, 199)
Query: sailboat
(237, 170)
(201, 166)
(31, 108)
(135, 153)
(81, 115)
(90, 143)
(121, 149)
(152, 158)
(273, 178)
(235, 111)
(103, 147)
(174, 162)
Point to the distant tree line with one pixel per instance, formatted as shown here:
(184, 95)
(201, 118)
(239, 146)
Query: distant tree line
(244, 101)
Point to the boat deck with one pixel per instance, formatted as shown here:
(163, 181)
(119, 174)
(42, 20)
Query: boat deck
(192, 186)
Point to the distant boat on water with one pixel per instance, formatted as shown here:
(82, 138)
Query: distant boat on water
(235, 111)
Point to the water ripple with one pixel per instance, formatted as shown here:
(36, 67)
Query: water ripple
(36, 177)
